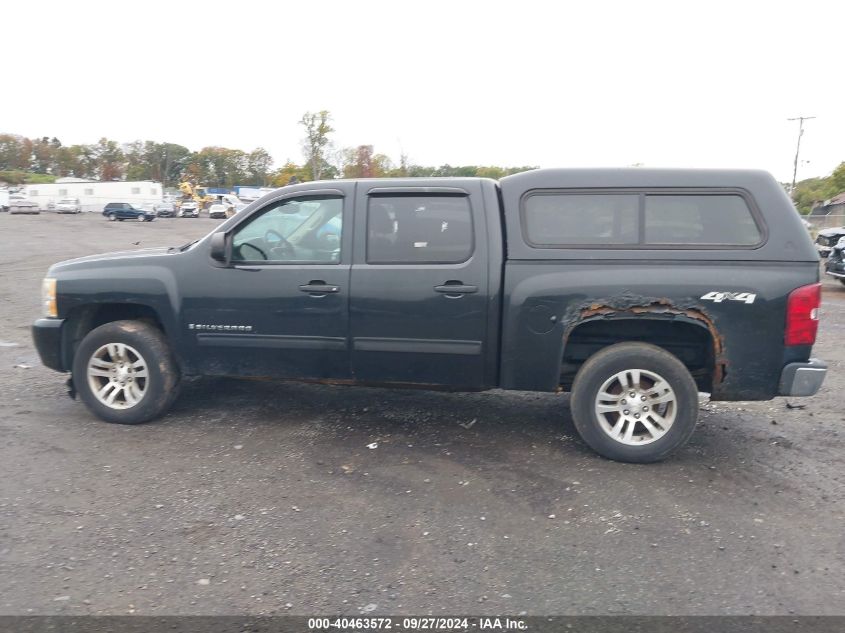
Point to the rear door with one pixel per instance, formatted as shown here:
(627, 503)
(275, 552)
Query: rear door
(419, 301)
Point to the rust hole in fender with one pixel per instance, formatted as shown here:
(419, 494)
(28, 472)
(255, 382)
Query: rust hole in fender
(659, 306)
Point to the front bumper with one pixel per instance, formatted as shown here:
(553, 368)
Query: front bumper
(802, 379)
(839, 274)
(47, 335)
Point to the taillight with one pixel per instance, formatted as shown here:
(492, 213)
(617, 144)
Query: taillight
(802, 315)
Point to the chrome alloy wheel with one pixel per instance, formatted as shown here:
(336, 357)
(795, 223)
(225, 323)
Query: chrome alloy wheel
(636, 407)
(118, 376)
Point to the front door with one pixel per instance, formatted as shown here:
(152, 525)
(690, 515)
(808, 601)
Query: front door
(280, 307)
(418, 309)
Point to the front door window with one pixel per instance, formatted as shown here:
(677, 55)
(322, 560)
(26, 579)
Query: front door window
(302, 231)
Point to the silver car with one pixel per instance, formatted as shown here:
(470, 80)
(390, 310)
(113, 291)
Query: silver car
(68, 205)
(188, 210)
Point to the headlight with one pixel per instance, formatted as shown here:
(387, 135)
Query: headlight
(48, 297)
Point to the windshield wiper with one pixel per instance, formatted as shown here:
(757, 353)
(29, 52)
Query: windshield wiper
(182, 248)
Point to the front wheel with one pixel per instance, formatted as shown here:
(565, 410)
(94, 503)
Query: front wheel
(634, 402)
(842, 281)
(125, 373)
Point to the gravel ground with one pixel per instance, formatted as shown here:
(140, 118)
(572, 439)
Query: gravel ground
(264, 498)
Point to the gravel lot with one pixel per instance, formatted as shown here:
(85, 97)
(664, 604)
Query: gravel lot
(263, 498)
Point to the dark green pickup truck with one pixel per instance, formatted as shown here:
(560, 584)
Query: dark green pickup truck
(634, 289)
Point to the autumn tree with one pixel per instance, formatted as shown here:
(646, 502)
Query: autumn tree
(286, 174)
(15, 152)
(316, 144)
(363, 162)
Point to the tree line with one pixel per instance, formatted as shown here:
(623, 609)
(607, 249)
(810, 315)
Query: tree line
(44, 159)
(812, 191)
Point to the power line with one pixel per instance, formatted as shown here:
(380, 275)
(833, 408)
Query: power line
(800, 120)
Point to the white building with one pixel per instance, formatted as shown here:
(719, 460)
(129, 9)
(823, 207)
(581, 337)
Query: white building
(94, 195)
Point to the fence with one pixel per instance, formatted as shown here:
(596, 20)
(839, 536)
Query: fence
(825, 221)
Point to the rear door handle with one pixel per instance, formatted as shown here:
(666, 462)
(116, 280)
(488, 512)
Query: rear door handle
(319, 288)
(455, 289)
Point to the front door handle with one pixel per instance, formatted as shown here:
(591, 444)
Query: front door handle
(318, 287)
(455, 288)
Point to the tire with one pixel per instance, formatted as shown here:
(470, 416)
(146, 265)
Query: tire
(842, 281)
(665, 399)
(140, 218)
(112, 217)
(141, 349)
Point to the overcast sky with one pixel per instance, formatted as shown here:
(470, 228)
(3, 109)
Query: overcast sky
(706, 84)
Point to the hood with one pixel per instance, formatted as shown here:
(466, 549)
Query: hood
(834, 231)
(117, 256)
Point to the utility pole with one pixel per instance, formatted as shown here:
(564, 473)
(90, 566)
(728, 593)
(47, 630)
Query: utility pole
(800, 120)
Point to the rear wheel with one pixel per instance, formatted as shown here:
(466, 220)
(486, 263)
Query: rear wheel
(125, 373)
(112, 217)
(634, 402)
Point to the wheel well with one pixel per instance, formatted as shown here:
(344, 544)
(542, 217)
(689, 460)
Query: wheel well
(82, 320)
(691, 342)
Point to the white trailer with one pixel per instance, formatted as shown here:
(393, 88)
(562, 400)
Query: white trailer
(93, 196)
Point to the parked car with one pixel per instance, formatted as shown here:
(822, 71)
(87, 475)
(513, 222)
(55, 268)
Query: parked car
(21, 206)
(68, 205)
(226, 207)
(218, 210)
(834, 265)
(188, 210)
(827, 239)
(165, 209)
(633, 289)
(125, 211)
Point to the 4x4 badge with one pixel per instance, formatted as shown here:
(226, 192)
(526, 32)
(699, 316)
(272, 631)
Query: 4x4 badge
(718, 297)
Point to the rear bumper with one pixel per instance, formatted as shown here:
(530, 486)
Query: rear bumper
(834, 273)
(802, 379)
(47, 335)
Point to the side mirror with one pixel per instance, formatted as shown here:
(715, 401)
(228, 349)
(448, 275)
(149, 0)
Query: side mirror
(218, 247)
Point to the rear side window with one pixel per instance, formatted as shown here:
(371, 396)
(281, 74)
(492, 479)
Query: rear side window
(557, 219)
(409, 229)
(699, 219)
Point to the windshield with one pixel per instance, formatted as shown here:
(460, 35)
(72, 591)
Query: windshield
(67, 201)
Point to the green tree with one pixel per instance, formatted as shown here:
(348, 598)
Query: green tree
(316, 144)
(162, 162)
(837, 179)
(219, 167)
(45, 155)
(259, 163)
(110, 163)
(68, 161)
